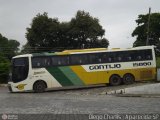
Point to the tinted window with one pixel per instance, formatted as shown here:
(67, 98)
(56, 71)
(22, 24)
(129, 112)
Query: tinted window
(128, 56)
(19, 62)
(140, 55)
(60, 60)
(105, 58)
(118, 56)
(79, 59)
(20, 68)
(111, 57)
(148, 54)
(95, 58)
(41, 62)
(91, 58)
(123, 56)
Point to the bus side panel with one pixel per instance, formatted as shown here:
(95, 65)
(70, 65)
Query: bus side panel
(88, 78)
(144, 74)
(72, 76)
(59, 76)
(98, 77)
(65, 76)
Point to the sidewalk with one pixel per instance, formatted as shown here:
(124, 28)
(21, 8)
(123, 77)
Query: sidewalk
(138, 91)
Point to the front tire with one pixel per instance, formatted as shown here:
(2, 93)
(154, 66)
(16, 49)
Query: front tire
(39, 87)
(115, 80)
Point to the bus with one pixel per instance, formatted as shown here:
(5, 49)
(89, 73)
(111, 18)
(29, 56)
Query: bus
(41, 71)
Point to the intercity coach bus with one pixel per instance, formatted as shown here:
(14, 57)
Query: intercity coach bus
(40, 71)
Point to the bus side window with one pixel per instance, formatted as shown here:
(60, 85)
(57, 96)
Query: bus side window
(148, 54)
(111, 57)
(148, 57)
(65, 60)
(119, 56)
(95, 58)
(47, 61)
(74, 60)
(41, 61)
(83, 59)
(133, 55)
(139, 57)
(55, 60)
(104, 58)
(129, 58)
(79, 59)
(60, 60)
(36, 62)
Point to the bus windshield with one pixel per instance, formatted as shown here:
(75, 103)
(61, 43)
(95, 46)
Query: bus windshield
(20, 68)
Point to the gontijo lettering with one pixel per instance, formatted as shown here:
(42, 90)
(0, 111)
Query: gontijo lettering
(97, 67)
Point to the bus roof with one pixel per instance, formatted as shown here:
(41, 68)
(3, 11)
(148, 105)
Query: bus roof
(81, 51)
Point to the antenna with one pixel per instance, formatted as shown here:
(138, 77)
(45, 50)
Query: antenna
(147, 41)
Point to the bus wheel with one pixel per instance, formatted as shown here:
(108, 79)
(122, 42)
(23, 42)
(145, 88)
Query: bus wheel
(39, 86)
(128, 79)
(115, 80)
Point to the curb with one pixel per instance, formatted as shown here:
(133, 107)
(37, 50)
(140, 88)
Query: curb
(139, 95)
(121, 93)
(3, 85)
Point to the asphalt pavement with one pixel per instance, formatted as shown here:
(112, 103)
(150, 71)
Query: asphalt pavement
(76, 104)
